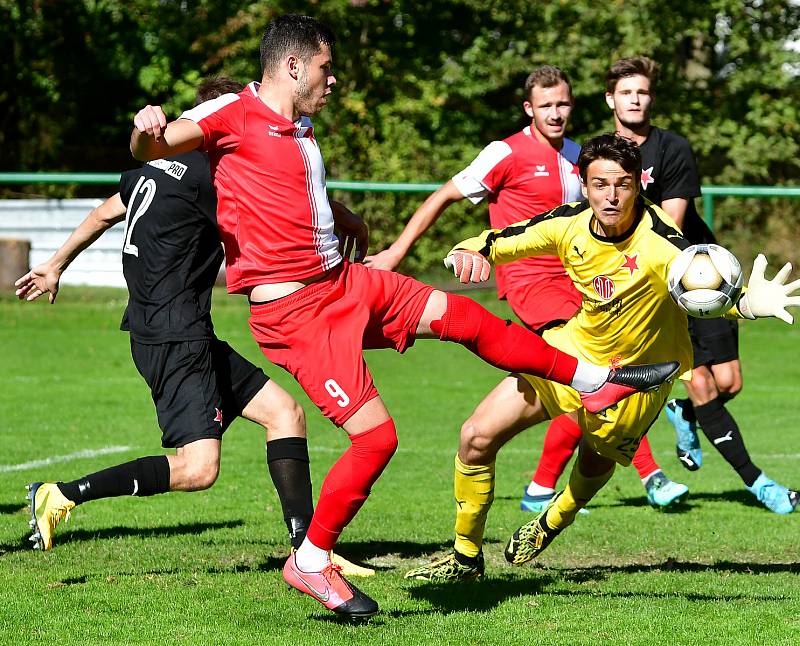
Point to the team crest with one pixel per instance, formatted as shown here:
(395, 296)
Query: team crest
(603, 287)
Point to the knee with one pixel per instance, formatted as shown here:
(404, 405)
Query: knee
(729, 387)
(200, 475)
(288, 421)
(703, 387)
(476, 442)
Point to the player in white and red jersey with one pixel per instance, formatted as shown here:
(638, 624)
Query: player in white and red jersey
(312, 312)
(528, 173)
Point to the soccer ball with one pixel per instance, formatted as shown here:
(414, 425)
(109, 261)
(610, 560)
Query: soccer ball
(705, 280)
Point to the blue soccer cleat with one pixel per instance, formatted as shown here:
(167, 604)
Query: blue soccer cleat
(688, 444)
(537, 504)
(775, 497)
(663, 492)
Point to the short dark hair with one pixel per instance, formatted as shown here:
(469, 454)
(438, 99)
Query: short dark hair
(214, 86)
(302, 36)
(636, 66)
(545, 76)
(614, 148)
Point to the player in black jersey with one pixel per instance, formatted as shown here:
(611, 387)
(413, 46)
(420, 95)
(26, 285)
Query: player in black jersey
(171, 256)
(670, 180)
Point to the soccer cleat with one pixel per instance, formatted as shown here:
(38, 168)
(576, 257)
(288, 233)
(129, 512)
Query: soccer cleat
(535, 504)
(530, 540)
(626, 380)
(48, 508)
(331, 589)
(775, 497)
(688, 444)
(349, 568)
(453, 567)
(663, 492)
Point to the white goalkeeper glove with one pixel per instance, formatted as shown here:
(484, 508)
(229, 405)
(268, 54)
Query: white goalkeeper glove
(468, 266)
(769, 297)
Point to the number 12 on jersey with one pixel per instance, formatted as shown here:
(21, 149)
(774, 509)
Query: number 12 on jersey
(147, 189)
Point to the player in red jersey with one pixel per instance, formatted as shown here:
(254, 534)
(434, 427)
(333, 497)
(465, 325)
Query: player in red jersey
(312, 312)
(528, 173)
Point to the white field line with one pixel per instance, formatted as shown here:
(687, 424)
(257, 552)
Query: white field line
(85, 453)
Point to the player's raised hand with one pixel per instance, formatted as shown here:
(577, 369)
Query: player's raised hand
(769, 297)
(386, 260)
(38, 281)
(468, 266)
(151, 120)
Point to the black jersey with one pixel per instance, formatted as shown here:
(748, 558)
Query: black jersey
(172, 252)
(668, 171)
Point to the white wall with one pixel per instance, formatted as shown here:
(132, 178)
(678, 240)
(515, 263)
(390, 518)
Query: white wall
(48, 223)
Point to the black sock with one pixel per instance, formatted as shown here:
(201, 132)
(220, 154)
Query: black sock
(287, 459)
(687, 410)
(723, 432)
(142, 477)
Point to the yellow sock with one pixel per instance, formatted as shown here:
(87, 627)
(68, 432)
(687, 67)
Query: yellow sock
(473, 487)
(577, 494)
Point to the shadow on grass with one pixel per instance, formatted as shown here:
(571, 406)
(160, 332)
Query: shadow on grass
(485, 595)
(13, 507)
(72, 536)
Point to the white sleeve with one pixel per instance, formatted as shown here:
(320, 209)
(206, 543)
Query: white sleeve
(474, 182)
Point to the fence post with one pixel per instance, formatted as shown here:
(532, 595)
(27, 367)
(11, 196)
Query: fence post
(14, 259)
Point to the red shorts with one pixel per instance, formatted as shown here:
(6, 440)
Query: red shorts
(318, 333)
(537, 304)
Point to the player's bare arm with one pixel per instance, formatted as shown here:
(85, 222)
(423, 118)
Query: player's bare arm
(45, 278)
(153, 138)
(351, 230)
(423, 218)
(676, 209)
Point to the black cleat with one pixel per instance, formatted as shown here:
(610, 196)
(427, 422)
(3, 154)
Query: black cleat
(626, 380)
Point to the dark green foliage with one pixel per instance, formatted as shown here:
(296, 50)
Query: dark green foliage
(422, 86)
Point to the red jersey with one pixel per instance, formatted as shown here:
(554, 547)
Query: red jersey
(523, 177)
(273, 212)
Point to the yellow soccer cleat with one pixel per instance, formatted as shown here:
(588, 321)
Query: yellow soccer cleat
(350, 569)
(48, 508)
(453, 567)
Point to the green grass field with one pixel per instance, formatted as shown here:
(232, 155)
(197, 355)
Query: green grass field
(204, 568)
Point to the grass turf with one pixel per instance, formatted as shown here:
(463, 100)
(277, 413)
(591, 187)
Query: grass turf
(204, 568)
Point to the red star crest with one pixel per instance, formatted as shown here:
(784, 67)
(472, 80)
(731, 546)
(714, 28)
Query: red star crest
(647, 177)
(630, 263)
(218, 417)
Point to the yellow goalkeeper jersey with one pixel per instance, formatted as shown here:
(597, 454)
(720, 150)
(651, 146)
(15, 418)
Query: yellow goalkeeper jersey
(627, 314)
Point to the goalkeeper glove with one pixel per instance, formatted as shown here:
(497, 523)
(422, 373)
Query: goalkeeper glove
(468, 266)
(769, 297)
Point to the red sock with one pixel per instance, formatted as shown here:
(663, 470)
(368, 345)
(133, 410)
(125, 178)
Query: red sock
(643, 460)
(503, 344)
(560, 440)
(349, 481)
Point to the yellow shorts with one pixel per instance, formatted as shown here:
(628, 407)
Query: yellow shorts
(614, 433)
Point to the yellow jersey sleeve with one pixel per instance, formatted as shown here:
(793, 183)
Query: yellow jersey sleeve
(536, 236)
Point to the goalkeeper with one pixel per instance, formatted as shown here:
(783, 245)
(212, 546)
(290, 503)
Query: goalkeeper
(617, 248)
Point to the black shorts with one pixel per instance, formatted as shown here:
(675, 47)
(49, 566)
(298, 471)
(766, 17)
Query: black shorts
(198, 387)
(714, 341)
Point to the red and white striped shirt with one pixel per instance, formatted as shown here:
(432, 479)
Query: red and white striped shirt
(273, 211)
(523, 177)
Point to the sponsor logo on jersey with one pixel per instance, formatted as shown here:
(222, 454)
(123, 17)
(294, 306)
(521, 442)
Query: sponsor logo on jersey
(630, 263)
(603, 287)
(647, 177)
(578, 252)
(541, 171)
(218, 416)
(171, 168)
(272, 132)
